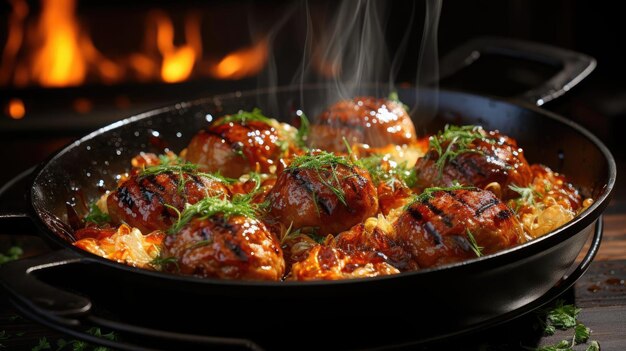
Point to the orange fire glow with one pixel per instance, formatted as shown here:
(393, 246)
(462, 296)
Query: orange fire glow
(242, 63)
(16, 109)
(55, 50)
(59, 61)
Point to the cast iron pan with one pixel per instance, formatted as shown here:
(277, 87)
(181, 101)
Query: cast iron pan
(70, 288)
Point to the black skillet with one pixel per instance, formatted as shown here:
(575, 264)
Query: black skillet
(70, 288)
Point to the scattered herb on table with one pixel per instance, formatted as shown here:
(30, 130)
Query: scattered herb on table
(12, 254)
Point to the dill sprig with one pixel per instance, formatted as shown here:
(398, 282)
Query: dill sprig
(303, 131)
(210, 206)
(428, 193)
(395, 171)
(458, 140)
(478, 250)
(527, 194)
(181, 170)
(244, 117)
(324, 161)
(160, 261)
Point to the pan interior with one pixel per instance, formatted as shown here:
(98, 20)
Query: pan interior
(81, 172)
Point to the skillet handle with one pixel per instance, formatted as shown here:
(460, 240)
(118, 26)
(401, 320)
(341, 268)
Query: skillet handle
(14, 208)
(57, 305)
(574, 66)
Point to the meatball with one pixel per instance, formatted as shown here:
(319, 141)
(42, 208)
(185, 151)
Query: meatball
(324, 191)
(367, 120)
(329, 263)
(145, 201)
(235, 247)
(375, 235)
(238, 144)
(472, 156)
(444, 226)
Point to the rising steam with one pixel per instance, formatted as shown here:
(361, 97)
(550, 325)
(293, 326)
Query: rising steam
(344, 49)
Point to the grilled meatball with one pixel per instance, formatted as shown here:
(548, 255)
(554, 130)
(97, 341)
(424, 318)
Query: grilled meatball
(236, 247)
(472, 156)
(330, 196)
(375, 235)
(141, 201)
(241, 146)
(368, 120)
(454, 225)
(329, 263)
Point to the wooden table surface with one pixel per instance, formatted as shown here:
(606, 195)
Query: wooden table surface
(600, 293)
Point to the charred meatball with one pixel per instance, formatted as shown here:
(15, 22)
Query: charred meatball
(323, 191)
(375, 236)
(472, 156)
(235, 247)
(367, 120)
(329, 263)
(237, 144)
(146, 200)
(444, 226)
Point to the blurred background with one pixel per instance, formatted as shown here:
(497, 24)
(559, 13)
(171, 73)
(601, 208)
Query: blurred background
(68, 67)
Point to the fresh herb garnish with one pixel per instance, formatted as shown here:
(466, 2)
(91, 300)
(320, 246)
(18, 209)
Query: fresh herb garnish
(209, 206)
(428, 193)
(159, 262)
(473, 244)
(322, 162)
(564, 316)
(183, 168)
(245, 116)
(12, 254)
(581, 333)
(394, 171)
(43, 345)
(593, 346)
(170, 159)
(393, 96)
(303, 131)
(458, 140)
(96, 215)
(527, 195)
(563, 345)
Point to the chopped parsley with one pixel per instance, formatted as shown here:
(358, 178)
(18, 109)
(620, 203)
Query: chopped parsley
(564, 317)
(458, 140)
(96, 215)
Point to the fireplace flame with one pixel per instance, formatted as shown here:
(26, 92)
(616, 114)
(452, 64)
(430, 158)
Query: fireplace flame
(242, 63)
(59, 61)
(55, 50)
